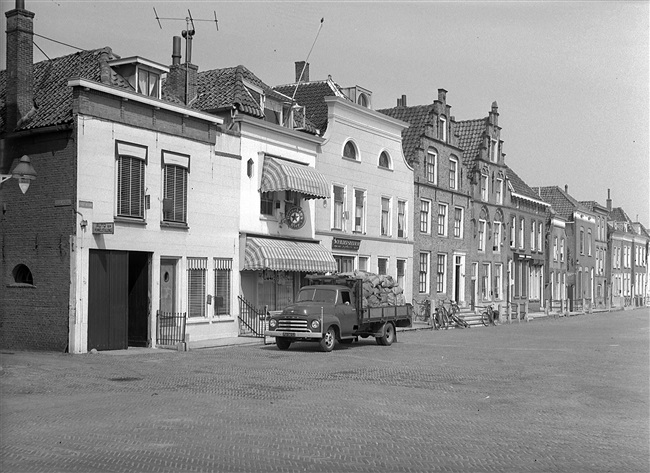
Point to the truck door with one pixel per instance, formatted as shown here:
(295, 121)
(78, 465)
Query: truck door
(346, 312)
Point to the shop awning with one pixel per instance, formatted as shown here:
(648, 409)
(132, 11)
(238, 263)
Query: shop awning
(286, 255)
(281, 175)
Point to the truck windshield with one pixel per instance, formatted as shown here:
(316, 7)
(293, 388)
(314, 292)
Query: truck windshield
(317, 295)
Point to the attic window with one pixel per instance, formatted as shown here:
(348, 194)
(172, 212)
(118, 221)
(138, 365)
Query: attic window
(148, 83)
(384, 160)
(363, 100)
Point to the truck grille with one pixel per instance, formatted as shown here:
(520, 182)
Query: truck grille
(292, 325)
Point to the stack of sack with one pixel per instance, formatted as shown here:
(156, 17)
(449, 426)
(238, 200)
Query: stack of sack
(379, 290)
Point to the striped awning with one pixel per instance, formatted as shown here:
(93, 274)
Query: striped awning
(281, 175)
(286, 255)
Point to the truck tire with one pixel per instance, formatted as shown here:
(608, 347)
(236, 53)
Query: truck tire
(282, 343)
(328, 340)
(388, 335)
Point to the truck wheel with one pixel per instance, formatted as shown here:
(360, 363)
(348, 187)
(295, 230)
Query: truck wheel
(282, 343)
(388, 336)
(328, 340)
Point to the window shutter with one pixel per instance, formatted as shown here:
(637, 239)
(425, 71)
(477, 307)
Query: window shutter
(175, 196)
(196, 272)
(130, 184)
(222, 285)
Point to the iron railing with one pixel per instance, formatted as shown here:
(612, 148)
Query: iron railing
(170, 328)
(252, 321)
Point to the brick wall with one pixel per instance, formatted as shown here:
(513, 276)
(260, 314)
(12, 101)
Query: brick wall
(35, 230)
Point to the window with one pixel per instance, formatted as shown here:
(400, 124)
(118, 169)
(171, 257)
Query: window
(442, 219)
(267, 201)
(196, 272)
(494, 146)
(363, 263)
(401, 272)
(131, 164)
(344, 264)
(485, 281)
(430, 163)
(291, 200)
(484, 187)
(401, 219)
(222, 285)
(562, 250)
(453, 170)
(513, 232)
(359, 211)
(350, 151)
(498, 281)
(338, 207)
(555, 249)
(382, 265)
(582, 241)
(589, 242)
(425, 205)
(540, 238)
(440, 276)
(522, 225)
(22, 275)
(443, 129)
(458, 222)
(175, 172)
(423, 280)
(497, 237)
(533, 234)
(148, 83)
(499, 191)
(385, 216)
(384, 160)
(481, 235)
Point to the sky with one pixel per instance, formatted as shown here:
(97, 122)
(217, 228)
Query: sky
(571, 78)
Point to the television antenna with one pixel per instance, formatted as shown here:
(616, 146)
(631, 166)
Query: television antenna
(190, 30)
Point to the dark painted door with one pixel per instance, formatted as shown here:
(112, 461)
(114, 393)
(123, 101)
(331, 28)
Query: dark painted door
(138, 299)
(107, 300)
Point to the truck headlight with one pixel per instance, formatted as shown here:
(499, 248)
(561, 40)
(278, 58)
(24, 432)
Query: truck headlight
(273, 323)
(315, 324)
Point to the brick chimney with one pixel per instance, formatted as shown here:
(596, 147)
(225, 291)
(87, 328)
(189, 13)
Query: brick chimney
(494, 114)
(302, 75)
(609, 201)
(20, 61)
(442, 95)
(181, 74)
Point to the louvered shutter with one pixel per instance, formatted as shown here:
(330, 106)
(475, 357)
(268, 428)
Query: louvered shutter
(196, 276)
(130, 185)
(222, 285)
(175, 210)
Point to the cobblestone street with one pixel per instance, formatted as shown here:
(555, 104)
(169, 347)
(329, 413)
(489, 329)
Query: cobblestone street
(568, 394)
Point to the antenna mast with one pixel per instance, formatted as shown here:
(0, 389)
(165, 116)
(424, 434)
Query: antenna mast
(188, 34)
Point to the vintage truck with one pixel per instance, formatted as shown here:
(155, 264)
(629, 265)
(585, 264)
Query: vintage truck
(331, 309)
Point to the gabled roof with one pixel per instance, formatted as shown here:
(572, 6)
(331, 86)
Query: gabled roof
(520, 187)
(418, 117)
(470, 138)
(617, 214)
(563, 204)
(311, 95)
(593, 205)
(52, 96)
(227, 88)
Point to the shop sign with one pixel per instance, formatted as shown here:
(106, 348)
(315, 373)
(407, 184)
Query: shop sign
(103, 228)
(345, 244)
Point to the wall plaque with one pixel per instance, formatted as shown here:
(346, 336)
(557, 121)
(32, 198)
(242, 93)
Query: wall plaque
(103, 228)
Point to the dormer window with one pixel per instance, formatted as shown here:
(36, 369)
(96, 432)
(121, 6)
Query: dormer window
(141, 74)
(494, 147)
(363, 100)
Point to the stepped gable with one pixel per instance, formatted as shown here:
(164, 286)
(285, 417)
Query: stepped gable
(52, 96)
(311, 95)
(471, 134)
(417, 117)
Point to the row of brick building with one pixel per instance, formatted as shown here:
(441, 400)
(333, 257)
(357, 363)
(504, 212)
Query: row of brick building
(159, 193)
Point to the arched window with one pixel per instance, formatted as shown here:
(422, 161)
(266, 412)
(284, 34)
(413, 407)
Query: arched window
(363, 100)
(22, 275)
(384, 160)
(350, 151)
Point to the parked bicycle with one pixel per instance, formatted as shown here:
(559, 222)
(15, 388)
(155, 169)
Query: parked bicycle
(422, 311)
(489, 315)
(447, 317)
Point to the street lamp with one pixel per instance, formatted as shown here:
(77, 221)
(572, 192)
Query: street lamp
(24, 172)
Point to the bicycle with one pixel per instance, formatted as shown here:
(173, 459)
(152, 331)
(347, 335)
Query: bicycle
(423, 311)
(489, 316)
(446, 316)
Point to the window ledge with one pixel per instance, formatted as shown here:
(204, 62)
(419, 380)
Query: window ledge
(134, 221)
(177, 225)
(384, 169)
(21, 285)
(351, 160)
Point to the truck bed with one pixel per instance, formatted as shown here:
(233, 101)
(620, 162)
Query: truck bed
(399, 314)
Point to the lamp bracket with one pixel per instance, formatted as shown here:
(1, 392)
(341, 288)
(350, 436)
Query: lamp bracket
(5, 177)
